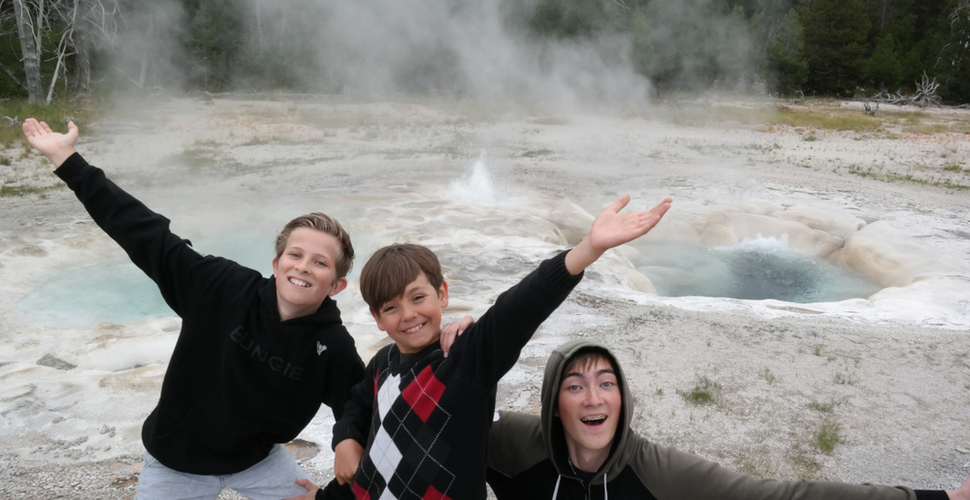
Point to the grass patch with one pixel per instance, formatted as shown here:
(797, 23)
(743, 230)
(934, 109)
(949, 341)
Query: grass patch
(908, 178)
(842, 121)
(766, 374)
(4, 160)
(20, 191)
(822, 407)
(532, 153)
(55, 115)
(704, 392)
(827, 437)
(804, 461)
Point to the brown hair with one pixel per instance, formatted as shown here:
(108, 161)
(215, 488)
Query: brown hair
(325, 224)
(391, 269)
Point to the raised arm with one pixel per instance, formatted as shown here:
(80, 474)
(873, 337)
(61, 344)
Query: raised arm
(57, 147)
(612, 229)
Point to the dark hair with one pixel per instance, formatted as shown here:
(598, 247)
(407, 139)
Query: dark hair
(325, 224)
(391, 269)
(586, 357)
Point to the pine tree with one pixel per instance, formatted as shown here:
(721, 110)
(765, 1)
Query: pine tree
(787, 68)
(835, 34)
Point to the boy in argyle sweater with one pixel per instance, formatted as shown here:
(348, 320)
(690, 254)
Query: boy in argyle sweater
(417, 426)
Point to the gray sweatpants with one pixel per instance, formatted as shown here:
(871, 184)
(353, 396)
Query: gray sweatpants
(273, 478)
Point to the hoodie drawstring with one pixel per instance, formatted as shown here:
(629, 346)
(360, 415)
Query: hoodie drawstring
(606, 492)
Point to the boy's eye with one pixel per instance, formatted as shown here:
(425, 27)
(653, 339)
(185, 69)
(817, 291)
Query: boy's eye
(387, 309)
(608, 384)
(573, 388)
(418, 298)
(321, 263)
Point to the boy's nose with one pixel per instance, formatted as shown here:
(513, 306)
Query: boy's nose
(593, 398)
(408, 312)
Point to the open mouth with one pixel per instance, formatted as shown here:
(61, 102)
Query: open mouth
(593, 420)
(414, 329)
(300, 283)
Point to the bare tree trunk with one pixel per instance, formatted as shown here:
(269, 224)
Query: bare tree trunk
(148, 49)
(62, 47)
(82, 45)
(31, 52)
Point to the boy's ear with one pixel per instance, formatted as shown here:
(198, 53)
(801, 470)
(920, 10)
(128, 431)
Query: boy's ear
(443, 294)
(274, 264)
(377, 318)
(338, 286)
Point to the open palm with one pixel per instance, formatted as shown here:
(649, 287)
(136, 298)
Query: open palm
(54, 145)
(611, 228)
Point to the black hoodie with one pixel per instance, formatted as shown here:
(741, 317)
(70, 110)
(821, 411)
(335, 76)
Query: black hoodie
(239, 379)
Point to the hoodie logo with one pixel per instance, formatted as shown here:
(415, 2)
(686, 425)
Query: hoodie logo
(320, 348)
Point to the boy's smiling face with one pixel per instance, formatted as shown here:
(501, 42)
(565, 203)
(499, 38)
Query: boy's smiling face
(589, 406)
(305, 272)
(413, 319)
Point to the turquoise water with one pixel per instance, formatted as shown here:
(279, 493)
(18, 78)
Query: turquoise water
(755, 270)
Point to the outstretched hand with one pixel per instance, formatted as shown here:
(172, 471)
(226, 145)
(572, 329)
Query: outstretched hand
(612, 229)
(57, 147)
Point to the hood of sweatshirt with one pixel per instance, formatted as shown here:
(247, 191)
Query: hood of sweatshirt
(553, 436)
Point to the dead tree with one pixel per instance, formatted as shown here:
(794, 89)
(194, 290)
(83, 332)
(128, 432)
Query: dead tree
(926, 92)
(29, 49)
(869, 110)
(925, 95)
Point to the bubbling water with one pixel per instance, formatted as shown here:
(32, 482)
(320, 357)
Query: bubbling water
(755, 269)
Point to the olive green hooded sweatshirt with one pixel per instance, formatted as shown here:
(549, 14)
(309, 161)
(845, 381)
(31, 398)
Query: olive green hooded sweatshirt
(528, 459)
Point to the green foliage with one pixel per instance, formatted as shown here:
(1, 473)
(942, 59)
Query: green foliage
(886, 64)
(827, 47)
(55, 115)
(835, 45)
(828, 437)
(954, 61)
(704, 392)
(214, 40)
(570, 18)
(786, 65)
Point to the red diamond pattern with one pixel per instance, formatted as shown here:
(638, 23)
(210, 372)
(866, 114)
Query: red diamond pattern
(423, 394)
(360, 493)
(433, 494)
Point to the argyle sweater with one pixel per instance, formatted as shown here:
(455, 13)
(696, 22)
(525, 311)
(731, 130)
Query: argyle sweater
(424, 420)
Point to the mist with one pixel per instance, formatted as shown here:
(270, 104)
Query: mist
(538, 52)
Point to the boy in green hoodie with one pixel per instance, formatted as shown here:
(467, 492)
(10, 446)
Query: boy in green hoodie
(582, 447)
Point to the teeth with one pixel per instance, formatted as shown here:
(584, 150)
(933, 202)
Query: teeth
(594, 418)
(298, 282)
(412, 330)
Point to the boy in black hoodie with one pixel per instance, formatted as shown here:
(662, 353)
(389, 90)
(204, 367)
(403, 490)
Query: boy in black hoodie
(256, 356)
